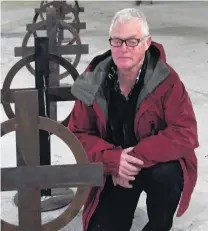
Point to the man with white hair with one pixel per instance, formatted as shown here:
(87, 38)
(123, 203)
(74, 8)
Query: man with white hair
(134, 115)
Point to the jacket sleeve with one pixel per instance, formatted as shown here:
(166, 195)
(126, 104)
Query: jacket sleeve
(180, 136)
(82, 123)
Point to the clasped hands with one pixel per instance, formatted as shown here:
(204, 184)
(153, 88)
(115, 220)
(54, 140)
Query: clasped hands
(129, 167)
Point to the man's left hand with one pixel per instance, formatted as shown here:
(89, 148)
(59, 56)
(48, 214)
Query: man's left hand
(117, 180)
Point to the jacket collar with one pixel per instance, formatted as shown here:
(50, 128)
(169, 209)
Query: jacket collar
(87, 86)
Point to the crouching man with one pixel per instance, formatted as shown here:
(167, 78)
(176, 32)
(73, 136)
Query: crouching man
(135, 116)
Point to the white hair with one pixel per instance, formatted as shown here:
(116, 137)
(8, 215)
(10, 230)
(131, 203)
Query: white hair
(128, 14)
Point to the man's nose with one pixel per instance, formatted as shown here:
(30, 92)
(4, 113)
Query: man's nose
(123, 46)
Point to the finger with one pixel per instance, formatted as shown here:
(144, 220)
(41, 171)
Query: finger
(133, 160)
(126, 177)
(129, 167)
(128, 172)
(128, 149)
(114, 181)
(124, 183)
(127, 185)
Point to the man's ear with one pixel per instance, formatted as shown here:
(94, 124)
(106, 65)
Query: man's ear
(148, 41)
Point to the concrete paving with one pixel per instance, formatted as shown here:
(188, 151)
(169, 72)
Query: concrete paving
(182, 27)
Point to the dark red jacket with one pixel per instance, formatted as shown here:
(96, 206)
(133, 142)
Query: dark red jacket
(163, 101)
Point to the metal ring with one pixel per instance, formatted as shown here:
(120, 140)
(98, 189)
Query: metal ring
(21, 63)
(67, 7)
(79, 153)
(62, 24)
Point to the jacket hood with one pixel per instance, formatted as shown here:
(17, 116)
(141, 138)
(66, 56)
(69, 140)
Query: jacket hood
(87, 86)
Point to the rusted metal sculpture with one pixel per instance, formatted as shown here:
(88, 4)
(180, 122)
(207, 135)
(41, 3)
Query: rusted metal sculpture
(53, 94)
(52, 25)
(65, 12)
(28, 180)
(63, 6)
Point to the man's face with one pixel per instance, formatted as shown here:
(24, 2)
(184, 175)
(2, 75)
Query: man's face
(126, 57)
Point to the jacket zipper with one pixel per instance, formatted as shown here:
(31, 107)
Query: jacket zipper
(153, 131)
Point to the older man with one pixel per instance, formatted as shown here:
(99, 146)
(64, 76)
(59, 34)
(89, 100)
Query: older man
(134, 115)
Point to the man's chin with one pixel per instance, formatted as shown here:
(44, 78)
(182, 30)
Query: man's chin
(124, 66)
(124, 63)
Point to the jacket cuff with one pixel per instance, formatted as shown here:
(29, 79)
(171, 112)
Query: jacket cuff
(111, 161)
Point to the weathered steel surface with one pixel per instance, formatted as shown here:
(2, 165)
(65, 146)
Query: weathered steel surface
(60, 197)
(55, 27)
(63, 93)
(55, 94)
(76, 26)
(53, 127)
(29, 179)
(42, 85)
(62, 9)
(52, 49)
(27, 132)
(75, 175)
(7, 94)
(67, 8)
(26, 125)
(77, 49)
(63, 50)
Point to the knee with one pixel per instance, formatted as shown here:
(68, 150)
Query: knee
(167, 174)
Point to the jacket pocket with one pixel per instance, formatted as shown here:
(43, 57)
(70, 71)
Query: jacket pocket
(150, 122)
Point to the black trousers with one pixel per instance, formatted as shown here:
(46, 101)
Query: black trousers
(163, 184)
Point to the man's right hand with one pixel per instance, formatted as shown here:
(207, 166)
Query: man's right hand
(129, 165)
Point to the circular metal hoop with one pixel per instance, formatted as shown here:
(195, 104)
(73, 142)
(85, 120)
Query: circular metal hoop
(21, 63)
(68, 8)
(61, 24)
(73, 143)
